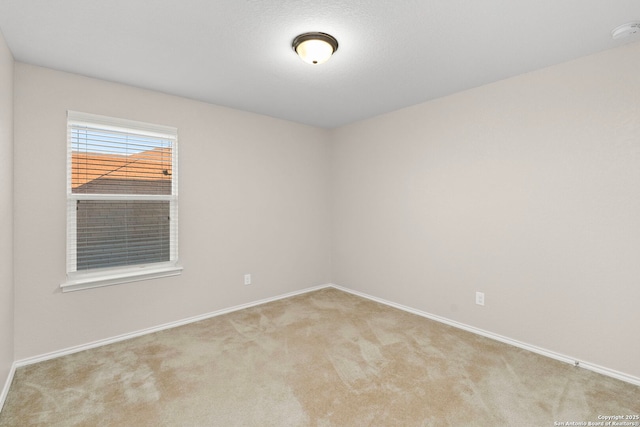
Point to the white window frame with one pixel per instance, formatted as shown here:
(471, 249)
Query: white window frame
(86, 279)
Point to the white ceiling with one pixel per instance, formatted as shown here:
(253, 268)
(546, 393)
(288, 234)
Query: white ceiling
(237, 53)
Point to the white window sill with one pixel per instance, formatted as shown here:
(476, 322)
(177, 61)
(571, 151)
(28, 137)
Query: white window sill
(79, 281)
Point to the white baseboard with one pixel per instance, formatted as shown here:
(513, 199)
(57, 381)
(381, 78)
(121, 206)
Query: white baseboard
(544, 352)
(118, 338)
(7, 385)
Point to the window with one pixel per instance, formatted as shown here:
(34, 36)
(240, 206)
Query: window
(122, 201)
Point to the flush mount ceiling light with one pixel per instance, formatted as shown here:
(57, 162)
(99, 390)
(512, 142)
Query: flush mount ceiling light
(315, 48)
(625, 30)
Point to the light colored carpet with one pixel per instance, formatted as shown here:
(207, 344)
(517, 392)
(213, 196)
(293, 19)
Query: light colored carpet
(326, 358)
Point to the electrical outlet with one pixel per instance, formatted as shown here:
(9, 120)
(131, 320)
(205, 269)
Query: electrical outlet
(247, 279)
(480, 298)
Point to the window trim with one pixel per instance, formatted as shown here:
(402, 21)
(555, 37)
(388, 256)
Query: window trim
(87, 279)
(95, 279)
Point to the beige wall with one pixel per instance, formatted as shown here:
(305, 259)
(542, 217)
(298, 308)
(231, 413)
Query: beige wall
(253, 199)
(527, 189)
(6, 211)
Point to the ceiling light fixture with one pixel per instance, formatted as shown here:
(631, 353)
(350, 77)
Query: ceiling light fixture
(315, 48)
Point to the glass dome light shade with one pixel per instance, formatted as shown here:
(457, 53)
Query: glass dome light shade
(315, 48)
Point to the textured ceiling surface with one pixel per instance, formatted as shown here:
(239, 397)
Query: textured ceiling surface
(237, 53)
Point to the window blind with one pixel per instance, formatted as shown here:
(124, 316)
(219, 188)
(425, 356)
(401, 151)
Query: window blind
(121, 193)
